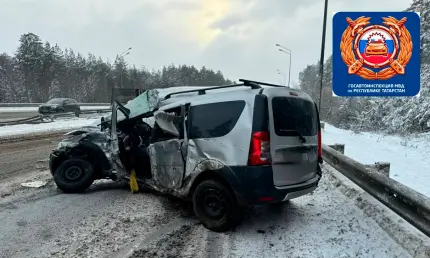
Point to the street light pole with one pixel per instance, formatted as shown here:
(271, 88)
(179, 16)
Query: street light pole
(122, 70)
(322, 52)
(289, 52)
(285, 76)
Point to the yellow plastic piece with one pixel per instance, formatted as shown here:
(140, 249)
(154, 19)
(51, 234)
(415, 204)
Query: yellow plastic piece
(133, 182)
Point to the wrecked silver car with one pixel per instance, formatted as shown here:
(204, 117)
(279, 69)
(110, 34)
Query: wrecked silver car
(220, 147)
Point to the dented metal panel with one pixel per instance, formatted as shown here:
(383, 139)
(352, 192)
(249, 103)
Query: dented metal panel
(167, 164)
(197, 161)
(167, 122)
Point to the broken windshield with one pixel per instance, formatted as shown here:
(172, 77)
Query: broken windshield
(142, 104)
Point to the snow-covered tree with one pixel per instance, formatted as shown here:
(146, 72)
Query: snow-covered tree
(393, 115)
(40, 71)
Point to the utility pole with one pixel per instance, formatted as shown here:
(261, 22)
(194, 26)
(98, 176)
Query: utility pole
(322, 52)
(289, 52)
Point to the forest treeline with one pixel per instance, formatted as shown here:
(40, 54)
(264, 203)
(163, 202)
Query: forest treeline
(39, 71)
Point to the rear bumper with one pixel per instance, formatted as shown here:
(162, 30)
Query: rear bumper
(256, 186)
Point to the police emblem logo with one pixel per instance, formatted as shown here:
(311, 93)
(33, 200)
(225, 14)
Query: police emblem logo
(376, 52)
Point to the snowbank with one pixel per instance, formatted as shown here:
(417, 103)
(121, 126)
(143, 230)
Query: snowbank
(34, 109)
(408, 155)
(24, 129)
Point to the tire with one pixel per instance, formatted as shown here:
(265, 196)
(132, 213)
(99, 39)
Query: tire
(77, 113)
(213, 218)
(74, 175)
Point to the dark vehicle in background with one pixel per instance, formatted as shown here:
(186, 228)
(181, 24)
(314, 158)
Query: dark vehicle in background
(60, 106)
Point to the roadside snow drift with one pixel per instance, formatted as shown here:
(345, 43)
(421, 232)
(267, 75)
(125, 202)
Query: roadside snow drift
(408, 156)
(34, 109)
(23, 129)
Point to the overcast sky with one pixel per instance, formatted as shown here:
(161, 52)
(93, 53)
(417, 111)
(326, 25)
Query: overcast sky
(237, 37)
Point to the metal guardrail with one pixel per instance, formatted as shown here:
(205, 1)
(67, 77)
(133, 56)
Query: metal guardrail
(40, 118)
(38, 104)
(406, 202)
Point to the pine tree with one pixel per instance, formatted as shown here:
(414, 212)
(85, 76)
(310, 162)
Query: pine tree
(30, 59)
(40, 71)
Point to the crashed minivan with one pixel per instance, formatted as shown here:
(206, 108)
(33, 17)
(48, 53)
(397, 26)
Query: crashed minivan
(219, 147)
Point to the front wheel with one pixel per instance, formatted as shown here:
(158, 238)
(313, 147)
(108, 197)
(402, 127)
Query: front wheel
(74, 175)
(215, 206)
(77, 113)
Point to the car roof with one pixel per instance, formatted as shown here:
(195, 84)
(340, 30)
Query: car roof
(217, 95)
(223, 94)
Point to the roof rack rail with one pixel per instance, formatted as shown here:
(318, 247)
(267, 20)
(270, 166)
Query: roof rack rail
(203, 91)
(249, 82)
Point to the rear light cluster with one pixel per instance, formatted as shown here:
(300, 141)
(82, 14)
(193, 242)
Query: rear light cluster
(259, 151)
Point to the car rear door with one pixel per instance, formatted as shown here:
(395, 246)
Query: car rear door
(293, 137)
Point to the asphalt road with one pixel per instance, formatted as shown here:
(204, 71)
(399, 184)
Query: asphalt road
(108, 217)
(20, 157)
(7, 116)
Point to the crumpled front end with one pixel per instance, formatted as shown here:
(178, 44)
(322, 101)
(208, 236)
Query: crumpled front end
(87, 143)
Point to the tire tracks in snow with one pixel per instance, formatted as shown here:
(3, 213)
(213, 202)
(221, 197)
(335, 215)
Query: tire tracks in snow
(51, 224)
(323, 224)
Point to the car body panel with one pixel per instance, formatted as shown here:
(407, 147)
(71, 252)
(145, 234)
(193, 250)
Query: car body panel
(167, 163)
(293, 161)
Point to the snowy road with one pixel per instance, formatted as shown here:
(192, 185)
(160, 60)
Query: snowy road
(47, 223)
(20, 157)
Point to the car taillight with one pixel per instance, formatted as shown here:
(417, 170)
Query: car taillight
(319, 145)
(259, 151)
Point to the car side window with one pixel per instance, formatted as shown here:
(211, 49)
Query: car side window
(214, 119)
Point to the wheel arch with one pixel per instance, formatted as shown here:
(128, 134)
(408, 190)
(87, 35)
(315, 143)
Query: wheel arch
(224, 175)
(88, 151)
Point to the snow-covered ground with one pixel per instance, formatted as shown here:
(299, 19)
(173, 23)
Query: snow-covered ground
(408, 156)
(73, 123)
(31, 109)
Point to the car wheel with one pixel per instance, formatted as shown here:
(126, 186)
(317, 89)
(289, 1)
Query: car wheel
(77, 113)
(74, 175)
(215, 206)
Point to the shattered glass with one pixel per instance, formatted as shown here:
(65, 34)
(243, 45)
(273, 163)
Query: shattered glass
(142, 104)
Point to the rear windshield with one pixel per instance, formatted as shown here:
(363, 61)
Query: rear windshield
(294, 114)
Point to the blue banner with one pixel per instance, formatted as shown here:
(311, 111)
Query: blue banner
(376, 54)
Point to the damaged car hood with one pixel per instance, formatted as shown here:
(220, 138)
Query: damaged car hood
(93, 132)
(84, 130)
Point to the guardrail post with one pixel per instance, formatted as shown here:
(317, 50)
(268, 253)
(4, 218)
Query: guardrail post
(322, 125)
(338, 147)
(381, 167)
